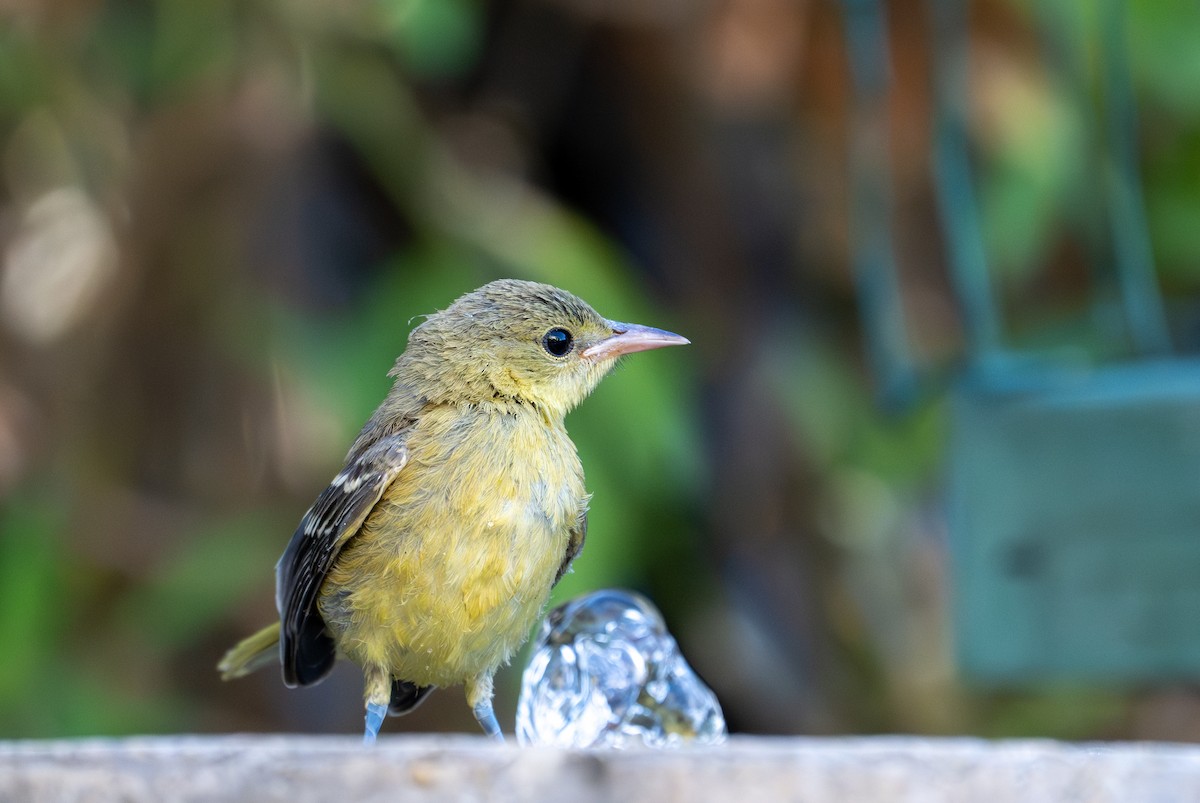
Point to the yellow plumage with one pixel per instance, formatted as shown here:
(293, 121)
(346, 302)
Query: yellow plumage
(464, 547)
(431, 555)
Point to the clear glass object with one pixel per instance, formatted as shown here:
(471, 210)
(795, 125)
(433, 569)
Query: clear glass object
(606, 673)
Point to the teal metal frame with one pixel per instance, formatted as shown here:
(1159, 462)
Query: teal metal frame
(1073, 490)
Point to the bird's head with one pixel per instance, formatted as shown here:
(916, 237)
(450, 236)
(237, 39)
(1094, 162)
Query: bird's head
(518, 341)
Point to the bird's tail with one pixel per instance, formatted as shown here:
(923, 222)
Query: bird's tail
(251, 653)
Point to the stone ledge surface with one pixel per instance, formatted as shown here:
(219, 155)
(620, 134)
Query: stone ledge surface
(298, 769)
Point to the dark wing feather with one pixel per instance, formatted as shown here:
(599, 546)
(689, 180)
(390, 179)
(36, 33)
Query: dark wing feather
(575, 539)
(306, 648)
(406, 696)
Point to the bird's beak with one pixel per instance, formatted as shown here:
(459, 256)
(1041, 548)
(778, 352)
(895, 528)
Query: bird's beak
(628, 338)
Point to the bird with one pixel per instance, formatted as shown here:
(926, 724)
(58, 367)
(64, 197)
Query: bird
(432, 553)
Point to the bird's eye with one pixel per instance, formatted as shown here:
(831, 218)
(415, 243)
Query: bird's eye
(557, 342)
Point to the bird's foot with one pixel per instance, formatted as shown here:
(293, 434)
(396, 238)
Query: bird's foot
(375, 714)
(487, 720)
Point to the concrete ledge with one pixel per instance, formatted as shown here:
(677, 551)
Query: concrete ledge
(428, 768)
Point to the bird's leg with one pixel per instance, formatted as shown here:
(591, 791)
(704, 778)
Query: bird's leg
(375, 714)
(479, 697)
(487, 720)
(377, 688)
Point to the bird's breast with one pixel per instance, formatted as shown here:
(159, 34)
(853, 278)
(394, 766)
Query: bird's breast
(456, 562)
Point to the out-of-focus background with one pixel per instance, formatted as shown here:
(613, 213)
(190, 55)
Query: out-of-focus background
(219, 220)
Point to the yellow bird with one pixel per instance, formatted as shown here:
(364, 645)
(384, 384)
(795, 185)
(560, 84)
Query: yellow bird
(432, 553)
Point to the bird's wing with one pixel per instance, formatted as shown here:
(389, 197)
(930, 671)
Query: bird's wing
(306, 649)
(576, 537)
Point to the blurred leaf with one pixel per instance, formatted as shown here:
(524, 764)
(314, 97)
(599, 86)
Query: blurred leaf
(26, 72)
(90, 705)
(1172, 176)
(840, 426)
(197, 586)
(1037, 158)
(345, 358)
(1065, 713)
(1164, 58)
(33, 596)
(435, 37)
(192, 41)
